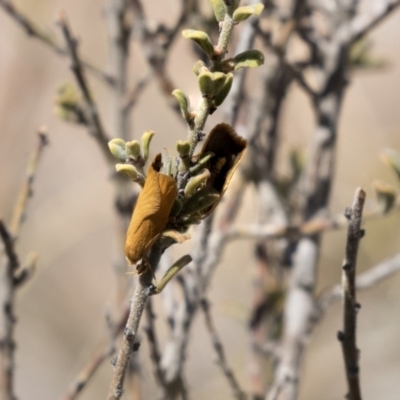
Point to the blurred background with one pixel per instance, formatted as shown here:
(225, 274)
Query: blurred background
(70, 221)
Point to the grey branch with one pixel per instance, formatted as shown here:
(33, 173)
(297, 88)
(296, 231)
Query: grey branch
(95, 125)
(347, 337)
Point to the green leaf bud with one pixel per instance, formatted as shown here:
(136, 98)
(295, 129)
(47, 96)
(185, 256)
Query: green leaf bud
(219, 8)
(211, 83)
(248, 59)
(201, 38)
(183, 148)
(146, 140)
(128, 170)
(133, 149)
(196, 182)
(221, 95)
(183, 101)
(199, 67)
(202, 199)
(117, 149)
(242, 13)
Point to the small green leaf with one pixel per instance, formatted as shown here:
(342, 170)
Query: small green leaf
(183, 148)
(199, 67)
(133, 149)
(242, 13)
(219, 8)
(201, 38)
(386, 195)
(117, 149)
(202, 199)
(221, 95)
(183, 101)
(195, 182)
(248, 59)
(146, 140)
(128, 170)
(391, 157)
(211, 83)
(171, 272)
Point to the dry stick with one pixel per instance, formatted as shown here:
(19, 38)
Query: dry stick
(104, 351)
(120, 33)
(347, 337)
(219, 350)
(34, 31)
(8, 267)
(151, 334)
(138, 303)
(95, 125)
(11, 276)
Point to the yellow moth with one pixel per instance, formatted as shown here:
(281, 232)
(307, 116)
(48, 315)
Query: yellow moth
(150, 215)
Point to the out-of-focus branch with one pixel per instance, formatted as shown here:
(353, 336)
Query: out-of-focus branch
(238, 393)
(8, 267)
(26, 188)
(155, 353)
(36, 32)
(104, 351)
(312, 227)
(95, 125)
(156, 44)
(119, 33)
(362, 24)
(347, 337)
(12, 275)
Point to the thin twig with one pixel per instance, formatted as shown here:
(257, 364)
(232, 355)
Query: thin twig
(12, 276)
(151, 334)
(26, 188)
(238, 393)
(36, 32)
(8, 267)
(119, 33)
(95, 125)
(309, 228)
(347, 337)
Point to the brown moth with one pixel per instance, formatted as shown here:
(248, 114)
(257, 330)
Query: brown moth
(150, 215)
(228, 149)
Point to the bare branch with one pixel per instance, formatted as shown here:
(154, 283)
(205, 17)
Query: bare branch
(95, 125)
(219, 350)
(347, 337)
(120, 33)
(36, 32)
(9, 264)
